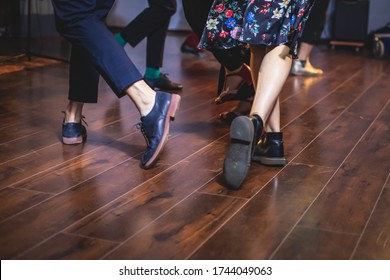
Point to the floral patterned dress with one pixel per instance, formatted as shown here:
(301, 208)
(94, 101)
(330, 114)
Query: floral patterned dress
(260, 22)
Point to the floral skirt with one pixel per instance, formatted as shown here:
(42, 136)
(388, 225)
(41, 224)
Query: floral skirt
(258, 22)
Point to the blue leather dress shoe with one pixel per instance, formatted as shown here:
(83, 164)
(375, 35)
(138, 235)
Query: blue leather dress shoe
(155, 126)
(73, 133)
(245, 132)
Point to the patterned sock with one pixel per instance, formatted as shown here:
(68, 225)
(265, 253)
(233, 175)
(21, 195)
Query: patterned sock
(152, 73)
(120, 39)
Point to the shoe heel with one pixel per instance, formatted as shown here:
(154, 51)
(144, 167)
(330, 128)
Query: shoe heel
(238, 157)
(271, 161)
(175, 103)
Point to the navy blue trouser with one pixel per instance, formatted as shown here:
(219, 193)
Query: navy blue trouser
(151, 23)
(95, 51)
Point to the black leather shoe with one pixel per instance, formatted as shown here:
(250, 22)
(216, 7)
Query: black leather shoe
(74, 133)
(244, 135)
(155, 126)
(270, 150)
(163, 83)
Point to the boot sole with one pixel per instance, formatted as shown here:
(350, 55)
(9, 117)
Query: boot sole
(238, 158)
(271, 161)
(74, 140)
(173, 107)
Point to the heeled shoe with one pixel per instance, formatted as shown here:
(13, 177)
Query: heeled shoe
(228, 116)
(270, 150)
(244, 89)
(243, 108)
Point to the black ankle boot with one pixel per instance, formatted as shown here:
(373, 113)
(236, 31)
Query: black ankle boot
(258, 127)
(245, 132)
(270, 150)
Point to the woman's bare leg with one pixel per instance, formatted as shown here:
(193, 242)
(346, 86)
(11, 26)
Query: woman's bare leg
(272, 74)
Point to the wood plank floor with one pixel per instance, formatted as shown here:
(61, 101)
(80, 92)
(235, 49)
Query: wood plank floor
(92, 201)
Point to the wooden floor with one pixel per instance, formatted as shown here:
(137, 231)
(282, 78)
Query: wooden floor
(92, 201)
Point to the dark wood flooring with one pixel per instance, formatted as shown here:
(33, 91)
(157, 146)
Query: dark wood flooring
(92, 201)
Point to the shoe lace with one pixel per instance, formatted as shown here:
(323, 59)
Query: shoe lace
(141, 127)
(83, 120)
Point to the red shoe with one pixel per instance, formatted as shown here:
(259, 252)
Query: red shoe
(190, 45)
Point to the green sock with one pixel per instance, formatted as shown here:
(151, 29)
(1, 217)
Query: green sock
(152, 73)
(120, 39)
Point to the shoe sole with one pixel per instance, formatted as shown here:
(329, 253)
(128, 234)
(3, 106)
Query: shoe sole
(238, 158)
(173, 107)
(74, 140)
(271, 161)
(306, 74)
(168, 89)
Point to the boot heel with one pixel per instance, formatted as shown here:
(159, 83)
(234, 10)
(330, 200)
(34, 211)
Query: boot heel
(175, 104)
(238, 157)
